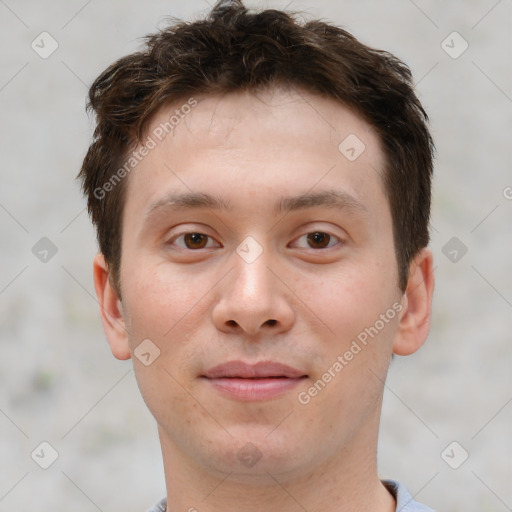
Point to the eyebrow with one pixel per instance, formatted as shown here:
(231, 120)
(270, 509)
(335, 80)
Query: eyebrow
(198, 200)
(328, 198)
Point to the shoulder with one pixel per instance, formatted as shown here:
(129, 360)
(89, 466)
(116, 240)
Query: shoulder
(404, 501)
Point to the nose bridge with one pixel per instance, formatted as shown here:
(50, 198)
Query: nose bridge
(251, 279)
(251, 298)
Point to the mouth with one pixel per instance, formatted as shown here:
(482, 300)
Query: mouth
(253, 382)
(261, 370)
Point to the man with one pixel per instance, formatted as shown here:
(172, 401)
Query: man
(261, 193)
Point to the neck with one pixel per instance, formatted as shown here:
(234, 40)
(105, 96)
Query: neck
(346, 481)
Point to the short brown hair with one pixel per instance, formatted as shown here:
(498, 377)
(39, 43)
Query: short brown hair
(232, 50)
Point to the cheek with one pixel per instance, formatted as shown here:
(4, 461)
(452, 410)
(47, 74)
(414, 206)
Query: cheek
(349, 299)
(162, 301)
(163, 309)
(171, 308)
(353, 358)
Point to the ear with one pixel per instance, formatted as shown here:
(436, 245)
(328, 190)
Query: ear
(111, 309)
(417, 305)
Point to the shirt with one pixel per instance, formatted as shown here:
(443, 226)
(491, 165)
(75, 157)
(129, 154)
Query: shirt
(404, 500)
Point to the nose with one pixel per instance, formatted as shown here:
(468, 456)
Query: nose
(253, 299)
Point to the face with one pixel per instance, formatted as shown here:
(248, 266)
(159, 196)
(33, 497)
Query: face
(252, 237)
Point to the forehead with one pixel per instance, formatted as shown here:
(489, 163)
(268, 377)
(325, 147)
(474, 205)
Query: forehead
(248, 146)
(224, 120)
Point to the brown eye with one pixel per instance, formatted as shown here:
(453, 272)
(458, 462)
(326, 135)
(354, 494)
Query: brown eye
(195, 240)
(318, 239)
(192, 240)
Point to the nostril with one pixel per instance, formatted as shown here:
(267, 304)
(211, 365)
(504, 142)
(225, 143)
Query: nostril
(271, 322)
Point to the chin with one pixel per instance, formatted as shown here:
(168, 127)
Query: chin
(255, 459)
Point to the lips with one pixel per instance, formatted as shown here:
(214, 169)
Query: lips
(253, 382)
(261, 370)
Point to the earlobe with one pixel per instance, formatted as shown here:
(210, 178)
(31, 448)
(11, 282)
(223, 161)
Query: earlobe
(111, 310)
(414, 322)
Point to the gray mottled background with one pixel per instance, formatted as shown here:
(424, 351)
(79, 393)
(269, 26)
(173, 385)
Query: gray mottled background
(58, 380)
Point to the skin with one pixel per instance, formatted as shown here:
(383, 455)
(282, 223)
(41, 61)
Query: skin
(302, 302)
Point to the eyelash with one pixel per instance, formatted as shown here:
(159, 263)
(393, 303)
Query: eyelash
(211, 238)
